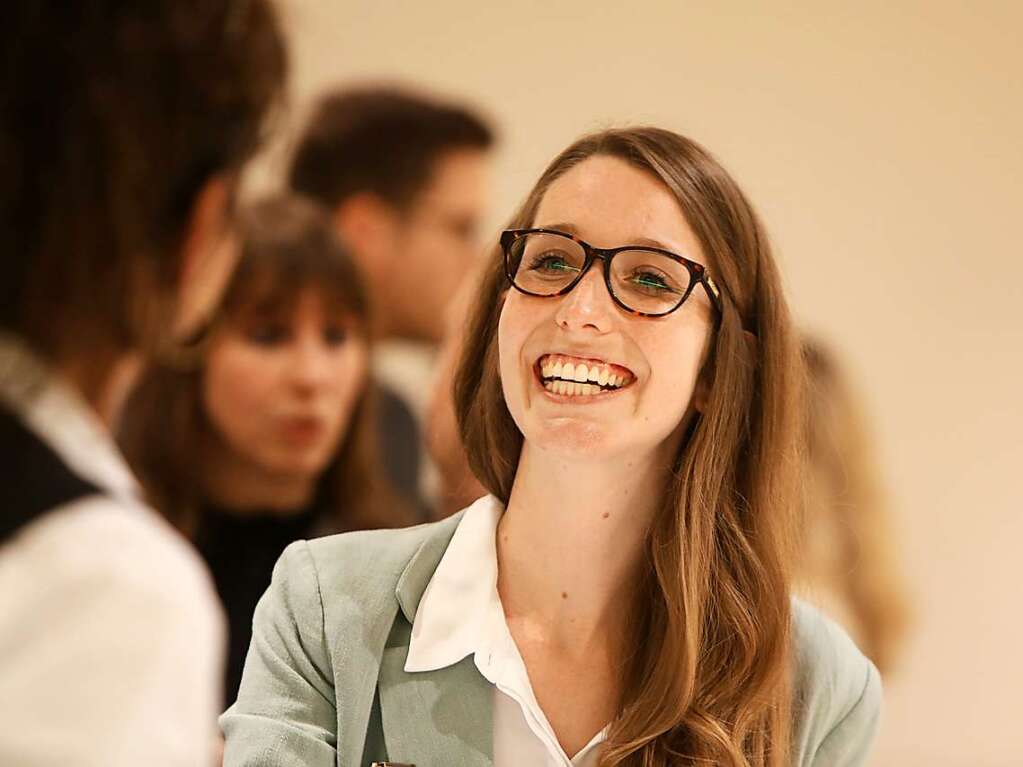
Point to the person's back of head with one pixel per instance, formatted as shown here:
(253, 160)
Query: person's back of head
(121, 126)
(404, 176)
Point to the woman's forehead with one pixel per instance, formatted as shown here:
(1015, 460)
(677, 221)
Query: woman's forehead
(282, 299)
(609, 202)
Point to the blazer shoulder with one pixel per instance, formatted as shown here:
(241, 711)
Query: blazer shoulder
(837, 692)
(375, 559)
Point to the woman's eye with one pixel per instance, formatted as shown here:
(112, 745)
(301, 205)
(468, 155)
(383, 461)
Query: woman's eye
(335, 335)
(268, 335)
(551, 262)
(652, 282)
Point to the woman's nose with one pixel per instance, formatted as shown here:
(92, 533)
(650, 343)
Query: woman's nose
(308, 364)
(588, 304)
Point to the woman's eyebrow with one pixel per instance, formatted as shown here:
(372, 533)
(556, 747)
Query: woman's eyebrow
(652, 243)
(649, 242)
(561, 227)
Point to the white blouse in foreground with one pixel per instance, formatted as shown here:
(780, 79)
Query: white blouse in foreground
(111, 636)
(461, 615)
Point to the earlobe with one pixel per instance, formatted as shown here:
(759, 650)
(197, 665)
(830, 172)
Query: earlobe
(206, 224)
(701, 394)
(208, 255)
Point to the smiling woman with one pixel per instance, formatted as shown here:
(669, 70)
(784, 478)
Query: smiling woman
(629, 396)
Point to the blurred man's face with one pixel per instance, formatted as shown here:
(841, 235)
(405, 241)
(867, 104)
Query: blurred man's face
(435, 247)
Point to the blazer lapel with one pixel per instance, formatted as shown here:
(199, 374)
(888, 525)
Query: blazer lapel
(441, 718)
(364, 622)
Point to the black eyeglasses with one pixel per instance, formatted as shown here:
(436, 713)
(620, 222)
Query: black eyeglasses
(650, 282)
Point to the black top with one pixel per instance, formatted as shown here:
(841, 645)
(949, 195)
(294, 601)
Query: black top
(35, 479)
(241, 550)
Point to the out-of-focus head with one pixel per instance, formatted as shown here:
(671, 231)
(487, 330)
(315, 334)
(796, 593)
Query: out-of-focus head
(406, 178)
(122, 125)
(287, 360)
(849, 554)
(280, 392)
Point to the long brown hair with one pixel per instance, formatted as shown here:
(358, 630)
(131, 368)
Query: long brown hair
(708, 680)
(287, 244)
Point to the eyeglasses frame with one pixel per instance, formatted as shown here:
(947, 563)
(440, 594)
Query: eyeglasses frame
(697, 272)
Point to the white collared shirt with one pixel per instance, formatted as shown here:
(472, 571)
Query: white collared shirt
(111, 636)
(459, 615)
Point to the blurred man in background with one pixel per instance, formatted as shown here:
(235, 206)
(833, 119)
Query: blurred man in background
(405, 177)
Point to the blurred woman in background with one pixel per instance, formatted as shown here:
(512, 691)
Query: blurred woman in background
(271, 439)
(849, 565)
(122, 129)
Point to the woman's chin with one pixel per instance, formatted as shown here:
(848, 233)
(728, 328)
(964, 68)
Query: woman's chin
(576, 438)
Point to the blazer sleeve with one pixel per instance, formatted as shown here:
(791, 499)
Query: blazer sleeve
(286, 711)
(838, 696)
(849, 742)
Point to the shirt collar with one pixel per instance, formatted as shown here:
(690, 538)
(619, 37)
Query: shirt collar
(57, 414)
(457, 611)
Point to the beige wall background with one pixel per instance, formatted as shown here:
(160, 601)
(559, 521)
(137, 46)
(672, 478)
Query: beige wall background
(883, 143)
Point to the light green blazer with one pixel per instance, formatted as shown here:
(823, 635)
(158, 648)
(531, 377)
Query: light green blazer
(325, 684)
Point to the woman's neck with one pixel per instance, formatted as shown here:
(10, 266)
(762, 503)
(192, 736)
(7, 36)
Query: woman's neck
(238, 485)
(571, 544)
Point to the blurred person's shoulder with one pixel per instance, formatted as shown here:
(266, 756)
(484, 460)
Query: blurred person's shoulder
(115, 540)
(110, 632)
(122, 550)
(837, 691)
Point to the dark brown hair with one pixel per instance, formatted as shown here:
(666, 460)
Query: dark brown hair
(381, 140)
(288, 245)
(113, 116)
(708, 680)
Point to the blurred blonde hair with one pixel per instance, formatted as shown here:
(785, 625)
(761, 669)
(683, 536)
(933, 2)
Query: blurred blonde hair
(849, 565)
(707, 681)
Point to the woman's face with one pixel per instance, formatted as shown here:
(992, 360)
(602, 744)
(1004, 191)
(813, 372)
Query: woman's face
(279, 387)
(608, 203)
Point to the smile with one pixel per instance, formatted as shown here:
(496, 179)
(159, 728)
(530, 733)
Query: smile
(577, 377)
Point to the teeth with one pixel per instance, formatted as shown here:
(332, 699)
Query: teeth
(593, 376)
(572, 388)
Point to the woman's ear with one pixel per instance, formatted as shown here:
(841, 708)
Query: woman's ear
(208, 257)
(701, 393)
